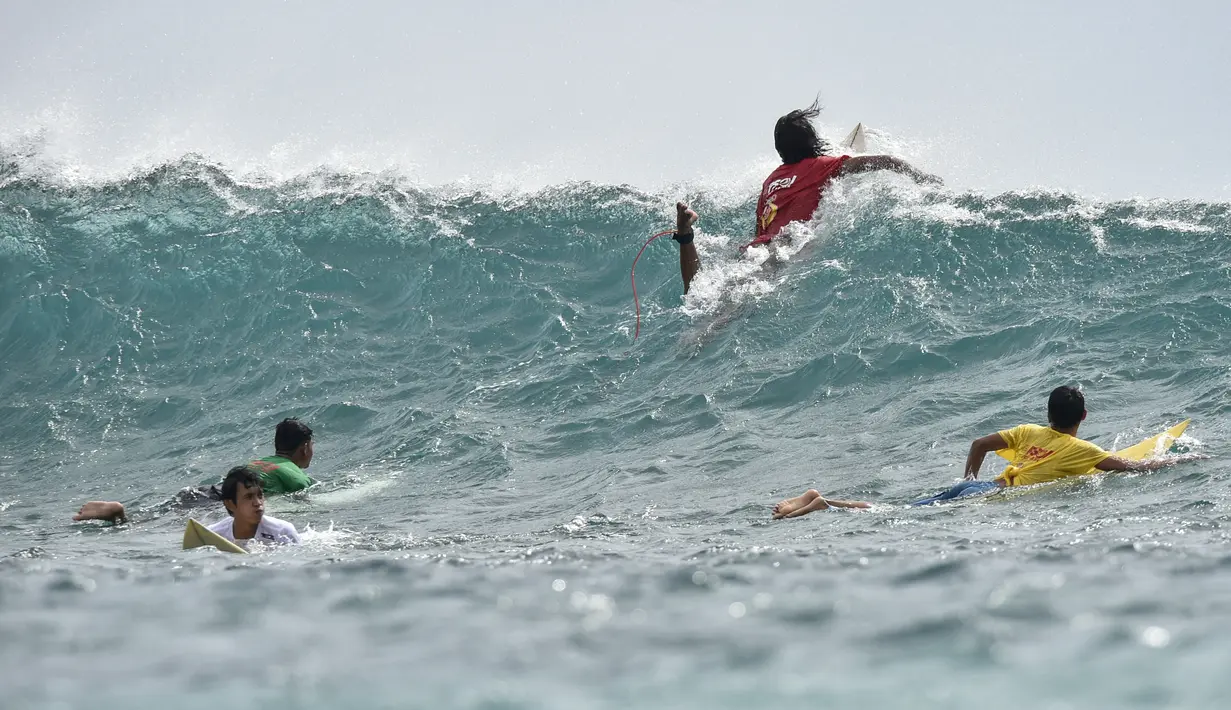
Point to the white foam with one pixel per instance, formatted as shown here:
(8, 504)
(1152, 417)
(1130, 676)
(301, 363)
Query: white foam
(1172, 225)
(327, 537)
(730, 277)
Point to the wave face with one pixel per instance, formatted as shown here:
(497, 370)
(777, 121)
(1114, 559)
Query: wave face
(497, 453)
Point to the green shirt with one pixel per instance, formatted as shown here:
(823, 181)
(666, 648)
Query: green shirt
(280, 475)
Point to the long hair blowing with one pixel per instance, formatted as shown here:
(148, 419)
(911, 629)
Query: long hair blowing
(796, 138)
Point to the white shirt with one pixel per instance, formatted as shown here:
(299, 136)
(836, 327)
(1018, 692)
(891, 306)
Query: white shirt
(270, 531)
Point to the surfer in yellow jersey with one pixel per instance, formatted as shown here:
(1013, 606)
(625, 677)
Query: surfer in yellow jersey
(1040, 454)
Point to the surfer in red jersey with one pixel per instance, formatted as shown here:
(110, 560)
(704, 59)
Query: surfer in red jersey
(793, 191)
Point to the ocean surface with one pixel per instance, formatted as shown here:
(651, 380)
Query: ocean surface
(521, 507)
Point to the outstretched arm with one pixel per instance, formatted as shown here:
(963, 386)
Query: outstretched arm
(1112, 463)
(866, 163)
(690, 263)
(980, 448)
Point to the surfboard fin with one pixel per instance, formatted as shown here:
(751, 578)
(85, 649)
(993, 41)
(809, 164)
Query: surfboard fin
(855, 140)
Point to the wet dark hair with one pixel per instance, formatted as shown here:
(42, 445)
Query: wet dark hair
(236, 476)
(1065, 407)
(795, 137)
(290, 434)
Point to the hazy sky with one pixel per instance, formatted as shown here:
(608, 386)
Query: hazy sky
(1107, 98)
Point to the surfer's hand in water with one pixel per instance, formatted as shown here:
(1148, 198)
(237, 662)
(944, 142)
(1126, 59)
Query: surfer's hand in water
(979, 448)
(1181, 458)
(101, 510)
(923, 178)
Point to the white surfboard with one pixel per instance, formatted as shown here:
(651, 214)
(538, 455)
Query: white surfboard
(319, 496)
(855, 140)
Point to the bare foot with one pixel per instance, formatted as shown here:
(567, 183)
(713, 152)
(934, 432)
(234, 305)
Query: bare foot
(101, 510)
(684, 217)
(800, 505)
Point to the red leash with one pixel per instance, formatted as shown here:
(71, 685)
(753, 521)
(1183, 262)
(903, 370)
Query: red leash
(633, 278)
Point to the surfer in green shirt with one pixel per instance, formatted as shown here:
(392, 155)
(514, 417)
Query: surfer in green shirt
(283, 472)
(280, 473)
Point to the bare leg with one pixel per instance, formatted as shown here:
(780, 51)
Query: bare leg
(847, 503)
(101, 510)
(810, 501)
(800, 505)
(690, 263)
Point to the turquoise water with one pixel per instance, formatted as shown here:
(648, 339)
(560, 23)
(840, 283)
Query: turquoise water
(521, 507)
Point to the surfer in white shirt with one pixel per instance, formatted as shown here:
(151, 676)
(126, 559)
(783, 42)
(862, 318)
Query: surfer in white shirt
(244, 497)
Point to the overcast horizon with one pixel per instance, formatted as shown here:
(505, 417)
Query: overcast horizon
(1106, 99)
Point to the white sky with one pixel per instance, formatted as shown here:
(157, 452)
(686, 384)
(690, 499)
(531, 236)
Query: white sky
(1106, 98)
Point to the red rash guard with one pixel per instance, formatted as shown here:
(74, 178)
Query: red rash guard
(792, 192)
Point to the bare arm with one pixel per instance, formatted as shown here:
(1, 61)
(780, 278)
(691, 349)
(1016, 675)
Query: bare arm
(866, 163)
(847, 503)
(1113, 463)
(690, 263)
(980, 448)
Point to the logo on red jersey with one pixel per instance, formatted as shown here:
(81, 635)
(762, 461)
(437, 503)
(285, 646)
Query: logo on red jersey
(767, 216)
(779, 184)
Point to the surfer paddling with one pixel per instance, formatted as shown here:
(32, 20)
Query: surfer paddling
(1037, 454)
(1045, 453)
(793, 191)
(243, 495)
(280, 473)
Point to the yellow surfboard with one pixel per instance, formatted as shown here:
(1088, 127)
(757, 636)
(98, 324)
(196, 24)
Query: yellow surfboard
(197, 535)
(1154, 446)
